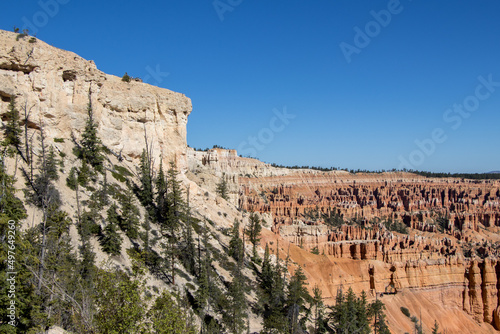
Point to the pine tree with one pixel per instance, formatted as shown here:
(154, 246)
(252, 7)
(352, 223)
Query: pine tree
(51, 165)
(149, 240)
(273, 295)
(12, 211)
(13, 130)
(418, 328)
(87, 269)
(376, 311)
(129, 221)
(363, 313)
(339, 314)
(253, 231)
(27, 302)
(111, 240)
(58, 262)
(72, 179)
(204, 277)
(435, 328)
(236, 244)
(222, 189)
(145, 191)
(161, 197)
(41, 191)
(85, 174)
(237, 315)
(91, 146)
(350, 314)
(267, 273)
(176, 213)
(176, 205)
(296, 299)
(188, 253)
(10, 206)
(317, 303)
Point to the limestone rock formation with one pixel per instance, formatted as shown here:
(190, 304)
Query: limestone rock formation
(57, 85)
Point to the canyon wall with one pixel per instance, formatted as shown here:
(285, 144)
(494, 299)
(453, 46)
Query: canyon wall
(56, 86)
(445, 249)
(445, 268)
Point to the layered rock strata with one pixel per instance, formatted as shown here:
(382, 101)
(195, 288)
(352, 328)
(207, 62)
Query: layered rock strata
(451, 246)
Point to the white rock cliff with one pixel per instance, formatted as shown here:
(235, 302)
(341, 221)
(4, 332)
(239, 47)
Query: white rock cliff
(57, 85)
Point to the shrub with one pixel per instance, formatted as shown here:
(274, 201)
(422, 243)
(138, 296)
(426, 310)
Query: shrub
(123, 171)
(126, 77)
(396, 226)
(119, 177)
(405, 311)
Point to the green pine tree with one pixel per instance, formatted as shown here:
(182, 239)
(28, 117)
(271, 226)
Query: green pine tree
(111, 241)
(253, 232)
(376, 311)
(10, 206)
(161, 197)
(237, 315)
(176, 205)
(319, 320)
(222, 189)
(350, 314)
(145, 190)
(236, 250)
(296, 299)
(13, 131)
(12, 211)
(72, 179)
(272, 285)
(175, 216)
(188, 253)
(91, 146)
(204, 277)
(129, 222)
(435, 328)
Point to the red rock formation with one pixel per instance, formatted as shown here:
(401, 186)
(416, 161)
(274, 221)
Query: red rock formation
(457, 266)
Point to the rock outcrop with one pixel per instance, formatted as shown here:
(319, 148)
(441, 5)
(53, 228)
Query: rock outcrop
(56, 86)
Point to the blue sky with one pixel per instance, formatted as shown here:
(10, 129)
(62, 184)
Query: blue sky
(366, 84)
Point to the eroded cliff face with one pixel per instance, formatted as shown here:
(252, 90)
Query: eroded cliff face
(56, 86)
(446, 270)
(449, 254)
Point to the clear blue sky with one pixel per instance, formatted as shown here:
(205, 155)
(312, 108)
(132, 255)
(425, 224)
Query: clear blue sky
(244, 62)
